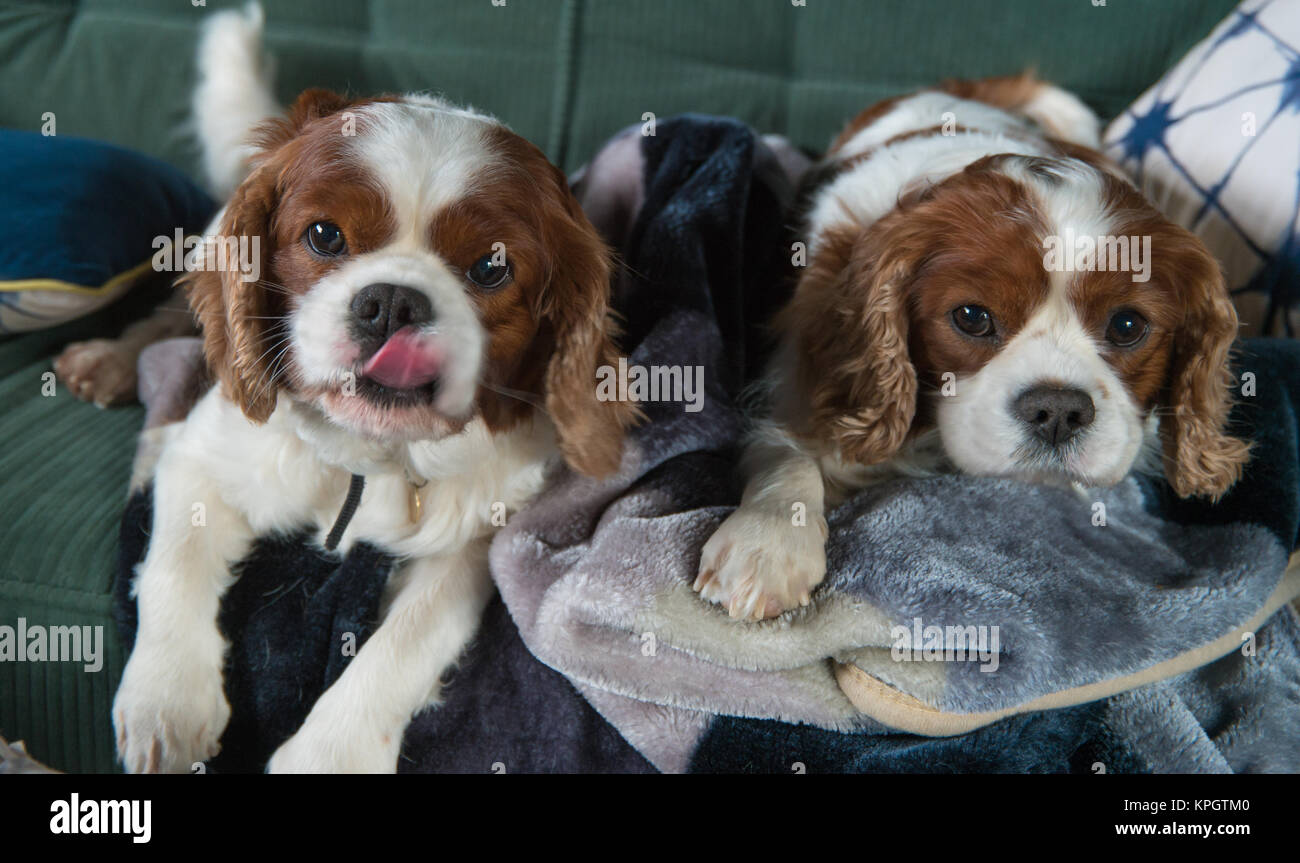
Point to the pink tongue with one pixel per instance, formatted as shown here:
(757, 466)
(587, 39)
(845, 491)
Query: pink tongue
(406, 360)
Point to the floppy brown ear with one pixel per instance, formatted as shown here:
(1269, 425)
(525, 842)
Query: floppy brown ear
(240, 341)
(576, 306)
(234, 309)
(848, 327)
(1200, 459)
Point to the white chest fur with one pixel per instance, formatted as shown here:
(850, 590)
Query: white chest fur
(294, 472)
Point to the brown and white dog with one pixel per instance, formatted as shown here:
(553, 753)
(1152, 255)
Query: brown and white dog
(430, 313)
(934, 330)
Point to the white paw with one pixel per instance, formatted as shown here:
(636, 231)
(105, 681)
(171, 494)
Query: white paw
(324, 745)
(759, 564)
(101, 371)
(169, 712)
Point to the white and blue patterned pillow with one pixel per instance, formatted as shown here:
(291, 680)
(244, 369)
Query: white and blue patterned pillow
(1216, 145)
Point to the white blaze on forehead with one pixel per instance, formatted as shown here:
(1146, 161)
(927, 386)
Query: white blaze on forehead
(424, 154)
(1069, 195)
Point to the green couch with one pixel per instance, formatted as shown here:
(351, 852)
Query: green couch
(564, 73)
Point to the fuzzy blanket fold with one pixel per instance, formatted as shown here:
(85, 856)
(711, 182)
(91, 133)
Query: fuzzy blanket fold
(1131, 632)
(950, 603)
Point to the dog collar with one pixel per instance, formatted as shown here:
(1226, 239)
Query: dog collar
(414, 507)
(350, 504)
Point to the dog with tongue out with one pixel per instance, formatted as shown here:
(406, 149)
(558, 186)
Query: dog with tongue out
(430, 310)
(407, 360)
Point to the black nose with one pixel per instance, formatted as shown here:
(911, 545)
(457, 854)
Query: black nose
(1055, 414)
(380, 310)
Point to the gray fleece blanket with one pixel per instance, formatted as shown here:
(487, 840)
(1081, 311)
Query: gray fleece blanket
(950, 603)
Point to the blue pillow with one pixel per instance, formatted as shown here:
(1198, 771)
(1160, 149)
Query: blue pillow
(80, 221)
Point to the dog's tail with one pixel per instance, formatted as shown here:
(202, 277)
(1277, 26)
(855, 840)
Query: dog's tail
(233, 96)
(1058, 112)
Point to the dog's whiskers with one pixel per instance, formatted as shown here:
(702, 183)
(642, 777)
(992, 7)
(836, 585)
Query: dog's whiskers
(528, 398)
(283, 343)
(280, 338)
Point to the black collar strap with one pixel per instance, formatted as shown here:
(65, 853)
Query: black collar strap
(350, 505)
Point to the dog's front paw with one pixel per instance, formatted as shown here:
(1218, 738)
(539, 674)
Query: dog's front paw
(329, 747)
(759, 563)
(169, 712)
(101, 371)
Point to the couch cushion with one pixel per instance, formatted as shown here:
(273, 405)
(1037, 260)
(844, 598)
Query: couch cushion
(65, 465)
(568, 74)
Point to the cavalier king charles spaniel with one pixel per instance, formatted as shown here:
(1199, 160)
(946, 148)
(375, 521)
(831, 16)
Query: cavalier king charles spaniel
(425, 327)
(984, 292)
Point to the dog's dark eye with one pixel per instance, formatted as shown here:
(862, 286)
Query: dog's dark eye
(1126, 328)
(489, 273)
(326, 239)
(973, 320)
